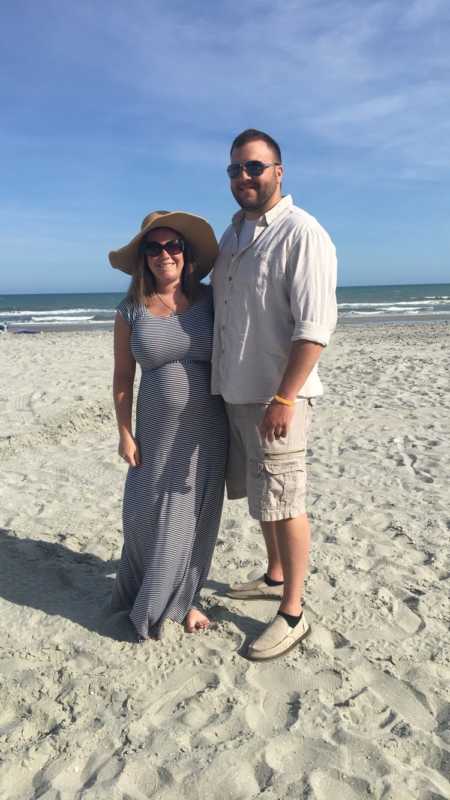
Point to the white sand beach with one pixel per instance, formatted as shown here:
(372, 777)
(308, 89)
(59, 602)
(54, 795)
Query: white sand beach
(360, 710)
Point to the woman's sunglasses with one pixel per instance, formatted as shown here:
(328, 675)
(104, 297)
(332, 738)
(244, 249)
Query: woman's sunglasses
(154, 249)
(253, 168)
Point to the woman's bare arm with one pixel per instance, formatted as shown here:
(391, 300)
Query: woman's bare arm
(123, 381)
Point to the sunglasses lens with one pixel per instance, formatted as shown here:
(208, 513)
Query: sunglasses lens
(254, 168)
(175, 247)
(153, 249)
(234, 170)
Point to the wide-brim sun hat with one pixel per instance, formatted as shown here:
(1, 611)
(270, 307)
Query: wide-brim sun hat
(195, 230)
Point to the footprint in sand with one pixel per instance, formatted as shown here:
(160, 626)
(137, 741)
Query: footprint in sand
(404, 700)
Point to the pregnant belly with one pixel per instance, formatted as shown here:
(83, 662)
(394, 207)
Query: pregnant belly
(175, 386)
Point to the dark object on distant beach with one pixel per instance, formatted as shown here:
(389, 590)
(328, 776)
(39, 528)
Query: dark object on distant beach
(3, 327)
(26, 331)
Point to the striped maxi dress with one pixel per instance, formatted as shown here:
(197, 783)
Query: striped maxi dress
(173, 501)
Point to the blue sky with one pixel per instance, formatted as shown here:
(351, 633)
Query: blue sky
(110, 110)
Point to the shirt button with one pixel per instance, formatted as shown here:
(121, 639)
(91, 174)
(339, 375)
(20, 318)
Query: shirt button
(230, 278)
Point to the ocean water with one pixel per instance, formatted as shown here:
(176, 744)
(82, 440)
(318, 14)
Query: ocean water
(58, 311)
(34, 312)
(409, 301)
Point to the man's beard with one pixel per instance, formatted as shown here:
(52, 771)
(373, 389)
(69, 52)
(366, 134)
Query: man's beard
(259, 199)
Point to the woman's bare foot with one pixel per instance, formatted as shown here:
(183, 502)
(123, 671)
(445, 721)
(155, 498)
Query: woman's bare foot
(195, 620)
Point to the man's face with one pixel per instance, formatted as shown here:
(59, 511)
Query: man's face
(256, 195)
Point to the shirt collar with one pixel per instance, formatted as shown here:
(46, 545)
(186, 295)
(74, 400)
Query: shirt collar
(266, 219)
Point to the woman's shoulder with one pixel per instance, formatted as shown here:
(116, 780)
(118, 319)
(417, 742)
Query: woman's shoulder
(128, 309)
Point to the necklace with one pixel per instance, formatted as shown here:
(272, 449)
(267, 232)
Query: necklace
(165, 304)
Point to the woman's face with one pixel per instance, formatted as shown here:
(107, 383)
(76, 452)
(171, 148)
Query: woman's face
(167, 266)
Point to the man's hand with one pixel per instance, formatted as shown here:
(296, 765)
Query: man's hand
(276, 421)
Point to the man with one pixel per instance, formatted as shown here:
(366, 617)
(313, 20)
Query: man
(274, 291)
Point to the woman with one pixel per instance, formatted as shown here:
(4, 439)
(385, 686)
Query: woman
(175, 483)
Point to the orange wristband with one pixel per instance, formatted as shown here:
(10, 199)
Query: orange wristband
(283, 400)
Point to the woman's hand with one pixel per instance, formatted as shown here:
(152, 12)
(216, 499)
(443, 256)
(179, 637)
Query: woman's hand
(129, 450)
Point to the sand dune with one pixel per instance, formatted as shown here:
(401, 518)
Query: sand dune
(360, 710)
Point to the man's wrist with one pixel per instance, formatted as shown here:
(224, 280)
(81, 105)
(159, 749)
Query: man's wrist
(283, 400)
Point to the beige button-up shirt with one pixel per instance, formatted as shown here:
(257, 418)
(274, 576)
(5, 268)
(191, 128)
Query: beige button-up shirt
(279, 288)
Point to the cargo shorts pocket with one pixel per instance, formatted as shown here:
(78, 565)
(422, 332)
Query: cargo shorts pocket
(278, 483)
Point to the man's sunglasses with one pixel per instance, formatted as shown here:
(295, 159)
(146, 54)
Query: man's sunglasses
(154, 249)
(253, 168)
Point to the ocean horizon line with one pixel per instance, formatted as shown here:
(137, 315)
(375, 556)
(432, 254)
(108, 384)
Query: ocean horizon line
(120, 291)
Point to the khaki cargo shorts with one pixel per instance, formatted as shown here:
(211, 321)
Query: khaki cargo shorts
(272, 475)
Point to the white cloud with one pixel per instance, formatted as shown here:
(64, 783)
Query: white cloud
(354, 75)
(420, 12)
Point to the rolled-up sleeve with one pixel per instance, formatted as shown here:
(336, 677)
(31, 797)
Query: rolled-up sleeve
(312, 269)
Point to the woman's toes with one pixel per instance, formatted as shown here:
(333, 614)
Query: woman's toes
(196, 621)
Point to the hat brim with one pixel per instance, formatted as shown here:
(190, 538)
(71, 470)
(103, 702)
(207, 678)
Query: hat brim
(195, 230)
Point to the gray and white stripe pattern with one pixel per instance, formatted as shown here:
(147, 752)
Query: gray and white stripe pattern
(173, 501)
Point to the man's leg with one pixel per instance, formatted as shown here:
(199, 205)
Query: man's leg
(288, 544)
(293, 542)
(274, 564)
(292, 538)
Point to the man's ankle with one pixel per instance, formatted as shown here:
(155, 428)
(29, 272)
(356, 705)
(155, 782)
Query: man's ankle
(272, 581)
(275, 573)
(294, 609)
